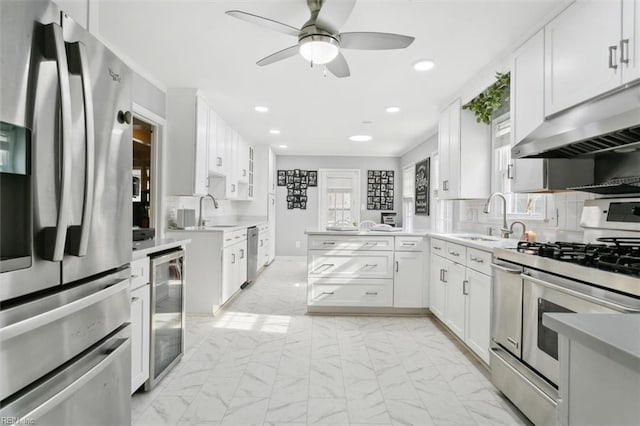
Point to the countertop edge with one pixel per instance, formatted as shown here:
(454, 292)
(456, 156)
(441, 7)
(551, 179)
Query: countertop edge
(359, 233)
(589, 330)
(239, 226)
(159, 245)
(485, 246)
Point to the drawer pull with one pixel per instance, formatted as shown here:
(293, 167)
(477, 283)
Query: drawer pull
(325, 266)
(409, 244)
(437, 248)
(476, 259)
(371, 265)
(329, 243)
(372, 293)
(371, 244)
(453, 253)
(326, 292)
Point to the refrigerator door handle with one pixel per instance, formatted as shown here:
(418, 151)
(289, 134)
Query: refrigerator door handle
(78, 238)
(55, 237)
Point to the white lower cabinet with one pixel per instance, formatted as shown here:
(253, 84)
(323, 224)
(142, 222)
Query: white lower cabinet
(408, 279)
(455, 300)
(437, 295)
(140, 336)
(234, 269)
(366, 271)
(478, 294)
(460, 294)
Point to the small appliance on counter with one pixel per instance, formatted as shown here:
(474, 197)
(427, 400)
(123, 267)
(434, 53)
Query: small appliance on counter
(185, 218)
(388, 218)
(143, 234)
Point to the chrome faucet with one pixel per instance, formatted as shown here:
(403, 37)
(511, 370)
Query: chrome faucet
(504, 231)
(524, 227)
(215, 204)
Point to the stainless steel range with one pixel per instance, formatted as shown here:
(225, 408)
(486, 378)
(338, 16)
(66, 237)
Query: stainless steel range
(600, 276)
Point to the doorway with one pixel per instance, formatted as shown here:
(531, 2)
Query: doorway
(143, 172)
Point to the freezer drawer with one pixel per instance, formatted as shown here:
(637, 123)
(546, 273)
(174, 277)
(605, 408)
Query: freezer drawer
(350, 264)
(92, 390)
(38, 336)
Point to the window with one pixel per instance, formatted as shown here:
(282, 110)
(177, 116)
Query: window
(339, 197)
(408, 195)
(524, 206)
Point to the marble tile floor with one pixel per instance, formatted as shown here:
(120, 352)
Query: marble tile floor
(263, 361)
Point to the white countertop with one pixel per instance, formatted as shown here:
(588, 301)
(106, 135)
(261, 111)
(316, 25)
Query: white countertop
(481, 244)
(241, 224)
(616, 336)
(403, 232)
(147, 247)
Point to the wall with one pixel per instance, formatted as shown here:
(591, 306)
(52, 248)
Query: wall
(420, 152)
(291, 224)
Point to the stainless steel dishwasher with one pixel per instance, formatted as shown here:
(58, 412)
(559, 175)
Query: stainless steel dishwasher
(252, 255)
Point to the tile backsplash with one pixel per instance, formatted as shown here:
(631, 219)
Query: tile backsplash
(561, 219)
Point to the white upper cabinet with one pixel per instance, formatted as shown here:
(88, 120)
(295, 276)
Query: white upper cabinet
(630, 43)
(231, 154)
(464, 149)
(243, 161)
(527, 88)
(588, 51)
(187, 144)
(217, 129)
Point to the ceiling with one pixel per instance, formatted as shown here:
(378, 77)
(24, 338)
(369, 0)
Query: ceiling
(194, 44)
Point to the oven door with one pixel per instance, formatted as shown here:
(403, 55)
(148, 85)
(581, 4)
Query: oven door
(546, 293)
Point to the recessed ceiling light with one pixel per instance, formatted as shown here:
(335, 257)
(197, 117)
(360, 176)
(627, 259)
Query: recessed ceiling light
(274, 131)
(360, 138)
(423, 65)
(261, 108)
(392, 109)
(283, 146)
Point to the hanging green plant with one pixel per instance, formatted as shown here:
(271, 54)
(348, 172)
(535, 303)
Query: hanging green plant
(489, 101)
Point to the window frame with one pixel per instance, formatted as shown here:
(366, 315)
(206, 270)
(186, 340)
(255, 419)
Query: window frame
(323, 194)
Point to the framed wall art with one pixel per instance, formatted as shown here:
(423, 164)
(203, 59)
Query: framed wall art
(297, 182)
(380, 189)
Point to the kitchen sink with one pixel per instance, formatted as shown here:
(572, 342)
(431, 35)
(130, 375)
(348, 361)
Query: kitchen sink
(473, 238)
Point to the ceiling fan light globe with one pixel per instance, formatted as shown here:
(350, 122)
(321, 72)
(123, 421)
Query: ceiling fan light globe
(319, 49)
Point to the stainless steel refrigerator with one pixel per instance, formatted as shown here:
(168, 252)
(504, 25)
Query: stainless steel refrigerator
(65, 221)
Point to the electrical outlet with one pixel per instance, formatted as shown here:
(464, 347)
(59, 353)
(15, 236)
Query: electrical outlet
(297, 244)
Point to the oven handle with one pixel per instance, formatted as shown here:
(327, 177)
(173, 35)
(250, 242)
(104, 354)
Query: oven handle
(509, 270)
(611, 305)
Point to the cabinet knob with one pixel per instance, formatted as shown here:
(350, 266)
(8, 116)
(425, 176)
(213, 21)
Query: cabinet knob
(124, 117)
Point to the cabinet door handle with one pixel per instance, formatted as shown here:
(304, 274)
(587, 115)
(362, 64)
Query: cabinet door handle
(624, 51)
(244, 172)
(372, 293)
(441, 275)
(444, 275)
(445, 185)
(241, 253)
(512, 342)
(465, 290)
(233, 258)
(261, 243)
(219, 161)
(612, 57)
(397, 266)
(233, 187)
(510, 171)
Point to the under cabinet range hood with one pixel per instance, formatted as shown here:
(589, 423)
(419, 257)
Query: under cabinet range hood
(609, 123)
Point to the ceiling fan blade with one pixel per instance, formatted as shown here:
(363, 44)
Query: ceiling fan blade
(374, 41)
(278, 56)
(334, 13)
(264, 22)
(339, 66)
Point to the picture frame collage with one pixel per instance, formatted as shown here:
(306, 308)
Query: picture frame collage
(297, 182)
(380, 189)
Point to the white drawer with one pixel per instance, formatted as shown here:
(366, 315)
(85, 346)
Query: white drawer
(410, 243)
(355, 293)
(233, 237)
(350, 264)
(325, 242)
(457, 253)
(438, 247)
(479, 260)
(139, 272)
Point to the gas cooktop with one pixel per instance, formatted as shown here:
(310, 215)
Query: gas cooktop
(620, 255)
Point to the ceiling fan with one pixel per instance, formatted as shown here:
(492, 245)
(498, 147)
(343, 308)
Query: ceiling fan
(319, 39)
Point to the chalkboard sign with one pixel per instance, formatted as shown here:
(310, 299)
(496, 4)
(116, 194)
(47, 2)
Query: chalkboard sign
(422, 187)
